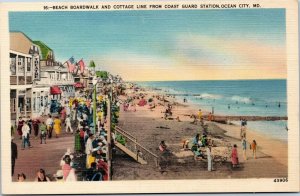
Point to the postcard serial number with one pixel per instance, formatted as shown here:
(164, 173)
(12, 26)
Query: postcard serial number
(281, 180)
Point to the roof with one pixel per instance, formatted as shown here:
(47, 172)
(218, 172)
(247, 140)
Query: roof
(20, 42)
(23, 34)
(44, 49)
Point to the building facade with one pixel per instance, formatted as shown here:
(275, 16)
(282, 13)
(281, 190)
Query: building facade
(24, 70)
(47, 54)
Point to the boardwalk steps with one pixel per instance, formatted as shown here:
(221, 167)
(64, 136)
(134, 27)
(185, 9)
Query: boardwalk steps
(131, 153)
(134, 149)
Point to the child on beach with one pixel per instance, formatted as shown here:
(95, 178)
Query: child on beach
(162, 146)
(243, 132)
(234, 156)
(193, 116)
(200, 114)
(210, 117)
(185, 144)
(253, 146)
(244, 147)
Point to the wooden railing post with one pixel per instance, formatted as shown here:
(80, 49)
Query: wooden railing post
(136, 144)
(109, 138)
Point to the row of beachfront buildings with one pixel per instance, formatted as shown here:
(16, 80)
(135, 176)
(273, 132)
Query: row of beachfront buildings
(36, 79)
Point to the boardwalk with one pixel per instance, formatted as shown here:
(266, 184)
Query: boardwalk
(46, 156)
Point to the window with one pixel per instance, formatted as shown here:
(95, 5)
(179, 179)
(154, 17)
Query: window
(38, 104)
(21, 103)
(13, 94)
(28, 104)
(42, 101)
(13, 65)
(21, 62)
(46, 100)
(34, 100)
(28, 64)
(13, 105)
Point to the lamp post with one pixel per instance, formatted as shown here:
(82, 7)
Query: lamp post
(109, 151)
(95, 81)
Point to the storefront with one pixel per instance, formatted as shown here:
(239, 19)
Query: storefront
(56, 97)
(40, 101)
(20, 103)
(67, 91)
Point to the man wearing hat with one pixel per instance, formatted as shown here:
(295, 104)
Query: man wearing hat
(20, 125)
(89, 150)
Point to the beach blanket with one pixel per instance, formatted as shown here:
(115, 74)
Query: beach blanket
(142, 102)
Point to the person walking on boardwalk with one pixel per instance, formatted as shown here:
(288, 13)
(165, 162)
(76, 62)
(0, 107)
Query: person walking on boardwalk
(25, 136)
(234, 156)
(14, 156)
(19, 127)
(35, 126)
(63, 114)
(68, 125)
(253, 147)
(49, 123)
(244, 147)
(57, 126)
(43, 132)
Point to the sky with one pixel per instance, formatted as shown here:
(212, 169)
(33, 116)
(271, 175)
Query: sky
(168, 44)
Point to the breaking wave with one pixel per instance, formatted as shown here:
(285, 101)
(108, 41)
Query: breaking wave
(241, 99)
(209, 96)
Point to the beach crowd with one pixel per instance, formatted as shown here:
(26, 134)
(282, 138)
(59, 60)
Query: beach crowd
(74, 116)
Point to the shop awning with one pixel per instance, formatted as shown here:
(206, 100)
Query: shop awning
(54, 90)
(78, 85)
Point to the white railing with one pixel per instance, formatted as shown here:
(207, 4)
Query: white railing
(54, 82)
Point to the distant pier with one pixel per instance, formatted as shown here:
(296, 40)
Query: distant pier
(225, 119)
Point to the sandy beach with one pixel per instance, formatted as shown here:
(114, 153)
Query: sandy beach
(150, 127)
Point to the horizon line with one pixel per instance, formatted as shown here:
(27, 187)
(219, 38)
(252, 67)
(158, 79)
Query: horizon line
(203, 80)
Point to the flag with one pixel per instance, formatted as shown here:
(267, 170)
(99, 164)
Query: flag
(81, 66)
(76, 68)
(71, 64)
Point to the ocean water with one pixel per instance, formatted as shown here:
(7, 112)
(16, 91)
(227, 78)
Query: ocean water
(234, 97)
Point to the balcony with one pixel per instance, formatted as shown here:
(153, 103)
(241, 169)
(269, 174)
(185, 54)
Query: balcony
(49, 82)
(20, 80)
